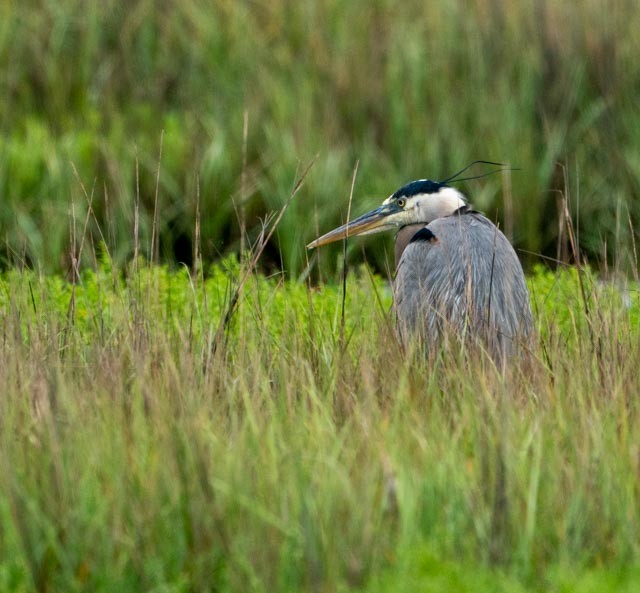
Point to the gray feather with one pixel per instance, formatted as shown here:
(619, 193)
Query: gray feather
(467, 282)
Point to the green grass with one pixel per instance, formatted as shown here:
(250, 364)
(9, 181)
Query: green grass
(136, 455)
(418, 91)
(145, 445)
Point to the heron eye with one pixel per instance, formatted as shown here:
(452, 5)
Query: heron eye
(401, 202)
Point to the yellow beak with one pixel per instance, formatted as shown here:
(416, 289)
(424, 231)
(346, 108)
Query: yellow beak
(371, 222)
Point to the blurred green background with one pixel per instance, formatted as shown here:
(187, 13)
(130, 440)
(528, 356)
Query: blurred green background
(412, 89)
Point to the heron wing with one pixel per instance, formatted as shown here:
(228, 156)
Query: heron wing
(461, 274)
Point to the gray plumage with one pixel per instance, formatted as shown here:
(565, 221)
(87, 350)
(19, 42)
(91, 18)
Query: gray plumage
(457, 275)
(465, 280)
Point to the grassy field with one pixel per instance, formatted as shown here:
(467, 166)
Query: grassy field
(550, 87)
(174, 418)
(144, 450)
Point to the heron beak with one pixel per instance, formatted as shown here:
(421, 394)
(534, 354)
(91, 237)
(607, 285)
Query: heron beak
(371, 222)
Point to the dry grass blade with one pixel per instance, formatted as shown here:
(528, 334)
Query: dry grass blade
(344, 252)
(155, 247)
(136, 217)
(255, 255)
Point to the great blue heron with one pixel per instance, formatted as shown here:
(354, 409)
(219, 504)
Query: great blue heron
(456, 273)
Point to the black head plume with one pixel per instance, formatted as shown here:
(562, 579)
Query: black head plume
(454, 178)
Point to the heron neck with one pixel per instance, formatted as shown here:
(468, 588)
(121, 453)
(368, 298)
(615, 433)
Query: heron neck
(403, 237)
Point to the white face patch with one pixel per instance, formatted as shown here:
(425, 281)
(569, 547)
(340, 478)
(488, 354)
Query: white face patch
(415, 202)
(423, 208)
(443, 203)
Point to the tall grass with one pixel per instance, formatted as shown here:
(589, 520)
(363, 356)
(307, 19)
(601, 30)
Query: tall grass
(145, 444)
(135, 456)
(411, 91)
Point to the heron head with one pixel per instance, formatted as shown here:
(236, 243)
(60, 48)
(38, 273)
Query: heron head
(420, 201)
